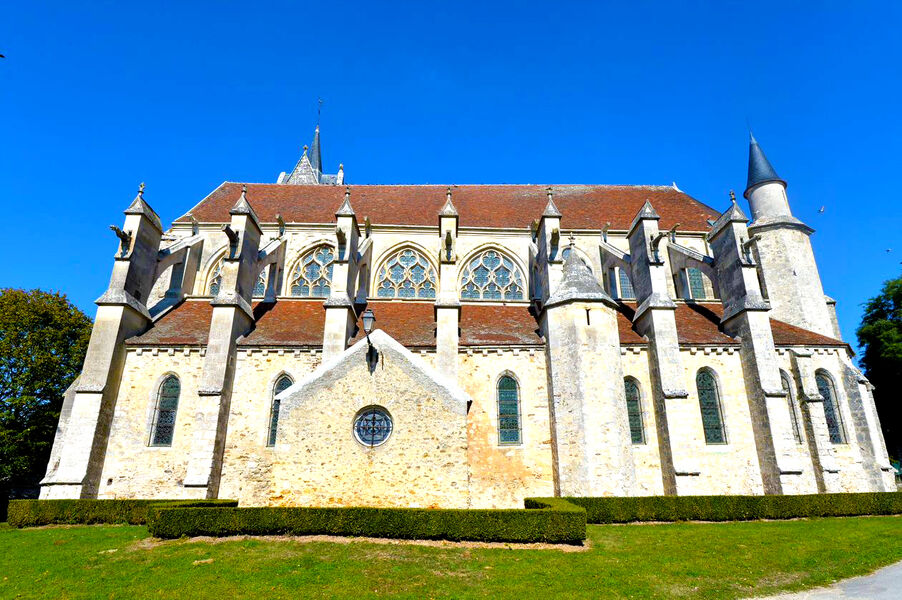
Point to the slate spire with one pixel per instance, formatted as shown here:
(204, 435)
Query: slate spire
(316, 154)
(760, 169)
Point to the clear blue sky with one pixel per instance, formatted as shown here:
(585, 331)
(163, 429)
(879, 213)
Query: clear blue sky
(96, 97)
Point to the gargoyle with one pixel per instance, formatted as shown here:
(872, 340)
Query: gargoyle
(342, 242)
(233, 239)
(125, 240)
(653, 244)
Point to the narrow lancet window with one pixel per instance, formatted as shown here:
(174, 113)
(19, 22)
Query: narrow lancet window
(508, 411)
(634, 410)
(709, 401)
(791, 404)
(164, 416)
(282, 383)
(831, 408)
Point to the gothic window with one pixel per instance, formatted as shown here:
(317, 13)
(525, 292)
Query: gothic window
(216, 278)
(312, 274)
(508, 411)
(491, 276)
(620, 284)
(164, 416)
(696, 283)
(831, 408)
(406, 274)
(634, 410)
(260, 286)
(709, 400)
(282, 383)
(791, 402)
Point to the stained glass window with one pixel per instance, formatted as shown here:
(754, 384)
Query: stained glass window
(373, 426)
(491, 276)
(216, 278)
(831, 409)
(634, 410)
(312, 274)
(167, 407)
(406, 274)
(791, 402)
(696, 283)
(260, 286)
(626, 286)
(282, 383)
(709, 400)
(508, 411)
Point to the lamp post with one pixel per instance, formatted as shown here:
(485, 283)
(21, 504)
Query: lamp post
(368, 320)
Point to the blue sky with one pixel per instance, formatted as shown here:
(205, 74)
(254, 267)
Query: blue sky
(97, 97)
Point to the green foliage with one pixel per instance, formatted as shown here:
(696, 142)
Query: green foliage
(551, 521)
(33, 513)
(737, 508)
(880, 336)
(43, 339)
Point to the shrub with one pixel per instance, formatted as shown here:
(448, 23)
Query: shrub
(737, 508)
(32, 513)
(546, 520)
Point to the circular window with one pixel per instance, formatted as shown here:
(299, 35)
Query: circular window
(372, 426)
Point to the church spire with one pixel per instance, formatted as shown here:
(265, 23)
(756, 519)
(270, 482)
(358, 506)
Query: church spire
(760, 169)
(316, 155)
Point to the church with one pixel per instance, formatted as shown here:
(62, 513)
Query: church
(314, 343)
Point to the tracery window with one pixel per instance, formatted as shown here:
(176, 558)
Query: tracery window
(166, 409)
(709, 401)
(831, 408)
(282, 383)
(696, 283)
(216, 278)
(491, 276)
(312, 274)
(791, 402)
(406, 274)
(634, 410)
(260, 286)
(508, 411)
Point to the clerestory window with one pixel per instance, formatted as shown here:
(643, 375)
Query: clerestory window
(406, 274)
(491, 276)
(312, 273)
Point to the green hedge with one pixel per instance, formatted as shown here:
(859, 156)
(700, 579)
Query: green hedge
(737, 508)
(551, 520)
(32, 513)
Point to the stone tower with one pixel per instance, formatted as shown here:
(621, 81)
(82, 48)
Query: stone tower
(783, 247)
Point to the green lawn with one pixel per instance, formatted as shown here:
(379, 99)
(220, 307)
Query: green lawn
(692, 560)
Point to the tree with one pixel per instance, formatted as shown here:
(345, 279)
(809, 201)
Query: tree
(880, 335)
(43, 339)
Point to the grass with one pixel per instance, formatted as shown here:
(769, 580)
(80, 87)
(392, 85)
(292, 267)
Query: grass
(689, 560)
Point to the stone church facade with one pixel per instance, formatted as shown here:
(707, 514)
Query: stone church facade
(584, 340)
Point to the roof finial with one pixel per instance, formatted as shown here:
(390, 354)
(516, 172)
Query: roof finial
(572, 239)
(141, 189)
(319, 110)
(732, 197)
(244, 190)
(348, 193)
(549, 191)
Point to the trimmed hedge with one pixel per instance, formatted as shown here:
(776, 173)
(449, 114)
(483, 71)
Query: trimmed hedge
(545, 520)
(737, 508)
(32, 513)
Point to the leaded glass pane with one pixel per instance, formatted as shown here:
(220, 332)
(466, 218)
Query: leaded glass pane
(831, 409)
(260, 286)
(626, 286)
(312, 275)
(491, 276)
(696, 283)
(373, 426)
(508, 411)
(709, 399)
(167, 407)
(216, 278)
(634, 410)
(791, 404)
(283, 383)
(406, 274)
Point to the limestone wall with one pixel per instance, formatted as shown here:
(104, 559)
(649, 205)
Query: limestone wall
(646, 456)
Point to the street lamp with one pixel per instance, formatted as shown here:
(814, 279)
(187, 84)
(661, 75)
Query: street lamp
(371, 355)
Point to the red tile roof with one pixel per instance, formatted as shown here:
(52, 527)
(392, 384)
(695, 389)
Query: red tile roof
(297, 322)
(516, 206)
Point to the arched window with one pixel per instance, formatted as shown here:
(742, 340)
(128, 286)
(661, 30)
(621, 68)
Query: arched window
(262, 281)
(282, 383)
(312, 274)
(491, 276)
(831, 408)
(634, 410)
(164, 416)
(791, 403)
(620, 284)
(696, 283)
(508, 411)
(215, 278)
(709, 400)
(406, 274)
